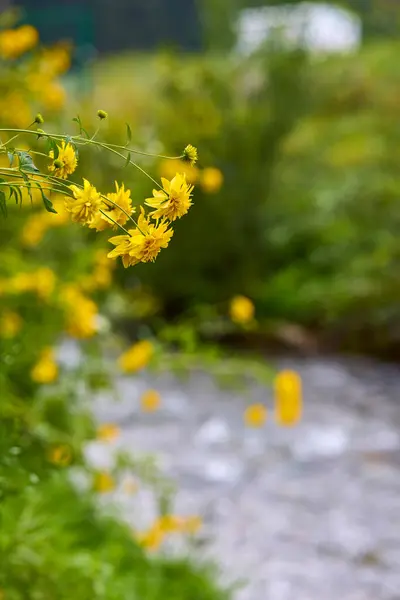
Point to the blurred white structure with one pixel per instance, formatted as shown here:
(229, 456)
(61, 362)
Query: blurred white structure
(318, 27)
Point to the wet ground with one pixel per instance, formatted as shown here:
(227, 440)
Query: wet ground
(306, 513)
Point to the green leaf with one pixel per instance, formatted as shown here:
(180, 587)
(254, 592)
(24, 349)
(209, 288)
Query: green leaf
(3, 204)
(128, 160)
(128, 135)
(18, 194)
(26, 162)
(46, 201)
(10, 158)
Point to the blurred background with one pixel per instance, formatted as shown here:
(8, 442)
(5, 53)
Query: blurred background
(288, 260)
(293, 107)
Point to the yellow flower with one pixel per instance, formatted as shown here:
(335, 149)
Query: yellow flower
(34, 230)
(45, 281)
(288, 398)
(170, 166)
(10, 324)
(150, 401)
(190, 154)
(14, 42)
(255, 415)
(81, 312)
(53, 96)
(46, 369)
(211, 180)
(85, 205)
(170, 523)
(137, 357)
(108, 432)
(143, 244)
(241, 309)
(153, 538)
(103, 483)
(66, 161)
(173, 201)
(121, 204)
(60, 455)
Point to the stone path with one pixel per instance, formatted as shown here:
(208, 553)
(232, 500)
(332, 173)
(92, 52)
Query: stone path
(309, 513)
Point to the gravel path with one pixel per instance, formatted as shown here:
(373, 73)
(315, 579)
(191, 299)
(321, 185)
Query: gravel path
(308, 513)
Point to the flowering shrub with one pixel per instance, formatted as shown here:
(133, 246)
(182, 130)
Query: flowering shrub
(54, 278)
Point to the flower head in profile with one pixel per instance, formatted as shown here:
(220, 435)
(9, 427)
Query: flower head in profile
(66, 161)
(143, 244)
(173, 200)
(85, 204)
(190, 154)
(118, 209)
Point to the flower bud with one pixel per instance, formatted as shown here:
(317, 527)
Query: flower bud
(39, 119)
(102, 114)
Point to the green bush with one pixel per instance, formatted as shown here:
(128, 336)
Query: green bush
(305, 222)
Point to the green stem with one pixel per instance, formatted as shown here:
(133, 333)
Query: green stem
(115, 223)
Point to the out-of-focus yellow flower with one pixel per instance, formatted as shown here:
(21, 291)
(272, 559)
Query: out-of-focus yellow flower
(137, 357)
(85, 204)
(45, 282)
(103, 483)
(15, 110)
(241, 310)
(66, 161)
(10, 324)
(171, 523)
(108, 432)
(14, 42)
(53, 96)
(142, 244)
(211, 180)
(153, 538)
(46, 369)
(41, 281)
(255, 415)
(55, 61)
(34, 230)
(81, 312)
(36, 226)
(60, 455)
(118, 210)
(173, 201)
(288, 398)
(150, 401)
(170, 166)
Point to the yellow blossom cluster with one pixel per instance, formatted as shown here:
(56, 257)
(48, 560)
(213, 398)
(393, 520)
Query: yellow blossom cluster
(41, 281)
(14, 42)
(38, 81)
